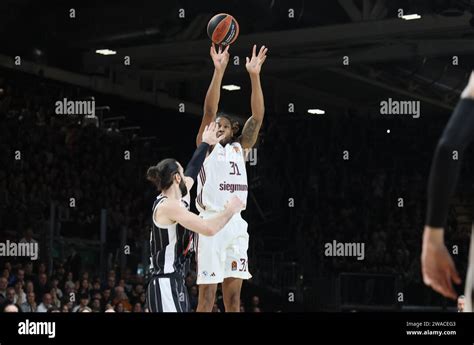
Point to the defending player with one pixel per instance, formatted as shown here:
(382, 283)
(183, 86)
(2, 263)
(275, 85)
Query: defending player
(170, 238)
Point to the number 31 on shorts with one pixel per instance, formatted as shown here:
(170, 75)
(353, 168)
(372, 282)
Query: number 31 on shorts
(243, 265)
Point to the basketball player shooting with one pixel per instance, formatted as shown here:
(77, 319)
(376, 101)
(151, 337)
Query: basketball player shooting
(437, 264)
(171, 236)
(223, 258)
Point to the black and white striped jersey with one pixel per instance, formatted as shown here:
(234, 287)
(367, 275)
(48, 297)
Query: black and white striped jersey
(169, 244)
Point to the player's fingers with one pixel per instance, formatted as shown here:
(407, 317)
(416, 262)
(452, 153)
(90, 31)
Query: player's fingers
(449, 286)
(221, 137)
(247, 60)
(254, 50)
(226, 49)
(454, 274)
(439, 287)
(263, 60)
(260, 52)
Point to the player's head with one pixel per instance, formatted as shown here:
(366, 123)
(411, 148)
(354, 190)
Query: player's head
(228, 127)
(461, 303)
(167, 174)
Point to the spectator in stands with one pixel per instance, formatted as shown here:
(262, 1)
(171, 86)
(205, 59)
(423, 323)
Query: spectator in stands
(10, 296)
(137, 308)
(30, 287)
(95, 305)
(20, 295)
(111, 283)
(46, 304)
(83, 302)
(6, 274)
(95, 287)
(55, 301)
(106, 297)
(119, 308)
(28, 238)
(11, 308)
(461, 301)
(20, 276)
(30, 305)
(42, 287)
(85, 288)
(3, 289)
(122, 298)
(55, 287)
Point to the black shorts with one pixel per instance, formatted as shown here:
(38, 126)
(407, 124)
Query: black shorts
(167, 293)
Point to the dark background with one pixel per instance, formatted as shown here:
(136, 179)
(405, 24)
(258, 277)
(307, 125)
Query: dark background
(300, 155)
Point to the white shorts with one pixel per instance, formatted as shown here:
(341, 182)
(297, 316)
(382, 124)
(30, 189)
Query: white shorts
(223, 255)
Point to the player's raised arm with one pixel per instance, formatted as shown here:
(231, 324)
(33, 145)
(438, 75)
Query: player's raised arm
(252, 126)
(209, 138)
(211, 103)
(208, 227)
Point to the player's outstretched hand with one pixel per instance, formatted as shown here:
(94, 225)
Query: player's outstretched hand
(437, 266)
(254, 64)
(234, 204)
(210, 134)
(220, 57)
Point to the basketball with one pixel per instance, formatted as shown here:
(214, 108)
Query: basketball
(223, 29)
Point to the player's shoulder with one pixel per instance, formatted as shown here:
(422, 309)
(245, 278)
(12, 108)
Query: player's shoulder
(236, 146)
(166, 203)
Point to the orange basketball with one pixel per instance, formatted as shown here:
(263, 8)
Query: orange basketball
(223, 29)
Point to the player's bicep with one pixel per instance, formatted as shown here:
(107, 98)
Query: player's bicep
(249, 135)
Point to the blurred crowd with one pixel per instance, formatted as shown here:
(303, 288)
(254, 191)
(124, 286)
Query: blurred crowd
(26, 286)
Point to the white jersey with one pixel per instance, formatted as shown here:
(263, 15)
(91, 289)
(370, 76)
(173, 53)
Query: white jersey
(222, 176)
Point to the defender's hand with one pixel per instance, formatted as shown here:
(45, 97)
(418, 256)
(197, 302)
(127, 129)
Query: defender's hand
(209, 135)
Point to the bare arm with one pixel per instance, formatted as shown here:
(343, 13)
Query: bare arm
(252, 126)
(172, 210)
(211, 103)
